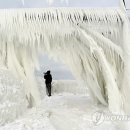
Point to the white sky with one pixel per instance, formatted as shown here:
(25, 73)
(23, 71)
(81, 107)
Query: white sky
(74, 3)
(58, 69)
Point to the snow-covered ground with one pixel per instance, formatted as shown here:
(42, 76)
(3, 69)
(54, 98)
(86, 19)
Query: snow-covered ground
(69, 108)
(62, 112)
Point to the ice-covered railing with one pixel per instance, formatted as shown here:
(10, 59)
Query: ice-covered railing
(93, 43)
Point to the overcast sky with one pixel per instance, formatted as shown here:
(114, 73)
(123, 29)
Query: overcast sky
(58, 69)
(74, 3)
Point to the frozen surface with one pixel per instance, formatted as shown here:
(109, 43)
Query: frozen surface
(69, 108)
(90, 44)
(93, 43)
(63, 112)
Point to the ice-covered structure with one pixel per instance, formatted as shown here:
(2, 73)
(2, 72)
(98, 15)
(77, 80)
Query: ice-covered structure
(92, 42)
(12, 97)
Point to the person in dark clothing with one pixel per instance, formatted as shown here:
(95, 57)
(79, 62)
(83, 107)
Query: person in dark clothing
(48, 80)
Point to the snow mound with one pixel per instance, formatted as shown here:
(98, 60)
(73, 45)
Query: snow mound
(12, 98)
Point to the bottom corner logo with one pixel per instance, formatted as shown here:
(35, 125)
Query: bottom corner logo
(98, 117)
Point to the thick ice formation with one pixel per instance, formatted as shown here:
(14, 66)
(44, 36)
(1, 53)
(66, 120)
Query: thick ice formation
(92, 42)
(12, 98)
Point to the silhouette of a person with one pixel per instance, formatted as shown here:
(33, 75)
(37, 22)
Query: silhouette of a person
(48, 80)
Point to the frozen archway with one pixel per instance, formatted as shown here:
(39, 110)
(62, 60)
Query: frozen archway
(92, 42)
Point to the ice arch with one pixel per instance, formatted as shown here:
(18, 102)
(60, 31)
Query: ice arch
(92, 42)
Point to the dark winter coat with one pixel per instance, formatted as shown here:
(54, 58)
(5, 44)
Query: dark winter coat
(48, 78)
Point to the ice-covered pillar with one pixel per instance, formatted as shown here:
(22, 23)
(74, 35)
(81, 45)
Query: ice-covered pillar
(31, 87)
(125, 89)
(126, 79)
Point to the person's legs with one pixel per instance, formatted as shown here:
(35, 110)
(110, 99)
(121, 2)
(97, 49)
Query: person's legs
(49, 89)
(47, 92)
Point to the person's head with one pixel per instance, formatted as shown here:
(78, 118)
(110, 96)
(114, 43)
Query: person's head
(48, 72)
